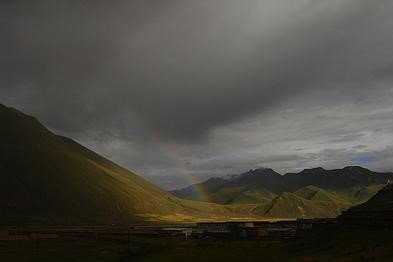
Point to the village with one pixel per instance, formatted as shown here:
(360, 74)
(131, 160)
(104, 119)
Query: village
(136, 242)
(285, 229)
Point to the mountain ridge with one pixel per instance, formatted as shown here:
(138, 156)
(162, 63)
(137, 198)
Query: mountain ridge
(349, 176)
(50, 179)
(308, 193)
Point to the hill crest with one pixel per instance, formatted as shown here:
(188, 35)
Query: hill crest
(50, 179)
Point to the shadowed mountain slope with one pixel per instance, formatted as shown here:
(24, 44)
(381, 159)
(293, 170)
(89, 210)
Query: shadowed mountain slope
(50, 179)
(382, 201)
(376, 212)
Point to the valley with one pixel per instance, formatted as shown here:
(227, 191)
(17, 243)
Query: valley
(52, 180)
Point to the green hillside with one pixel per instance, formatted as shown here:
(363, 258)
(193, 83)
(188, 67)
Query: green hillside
(290, 205)
(312, 201)
(240, 195)
(51, 179)
(254, 196)
(310, 193)
(316, 193)
(45, 177)
(380, 203)
(351, 182)
(358, 195)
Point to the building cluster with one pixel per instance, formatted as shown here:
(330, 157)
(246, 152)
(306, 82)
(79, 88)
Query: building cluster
(175, 231)
(243, 230)
(14, 234)
(224, 230)
(247, 230)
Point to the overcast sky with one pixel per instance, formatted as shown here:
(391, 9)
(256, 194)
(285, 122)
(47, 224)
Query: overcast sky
(198, 88)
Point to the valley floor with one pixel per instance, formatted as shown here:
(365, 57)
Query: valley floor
(333, 244)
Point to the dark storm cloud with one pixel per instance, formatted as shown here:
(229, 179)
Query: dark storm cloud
(182, 67)
(249, 83)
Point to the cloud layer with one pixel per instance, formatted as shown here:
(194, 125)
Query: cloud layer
(198, 88)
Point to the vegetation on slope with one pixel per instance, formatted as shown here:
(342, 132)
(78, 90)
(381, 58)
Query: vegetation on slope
(311, 193)
(382, 201)
(51, 179)
(337, 180)
(290, 205)
(241, 195)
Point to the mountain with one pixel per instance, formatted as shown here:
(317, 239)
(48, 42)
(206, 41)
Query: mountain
(306, 202)
(316, 194)
(290, 205)
(348, 177)
(382, 201)
(310, 193)
(350, 182)
(50, 179)
(258, 179)
(377, 211)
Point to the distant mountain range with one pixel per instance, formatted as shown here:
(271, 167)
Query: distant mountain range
(310, 193)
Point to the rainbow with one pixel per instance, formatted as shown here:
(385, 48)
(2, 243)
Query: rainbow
(172, 152)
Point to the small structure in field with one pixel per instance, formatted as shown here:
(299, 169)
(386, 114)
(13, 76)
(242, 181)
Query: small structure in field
(12, 234)
(174, 232)
(43, 235)
(15, 234)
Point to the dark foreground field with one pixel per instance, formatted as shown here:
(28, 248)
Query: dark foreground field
(325, 245)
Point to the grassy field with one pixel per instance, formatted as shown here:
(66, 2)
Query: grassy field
(325, 245)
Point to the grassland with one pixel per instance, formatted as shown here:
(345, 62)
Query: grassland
(335, 244)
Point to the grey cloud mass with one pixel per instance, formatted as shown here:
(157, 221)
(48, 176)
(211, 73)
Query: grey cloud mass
(173, 89)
